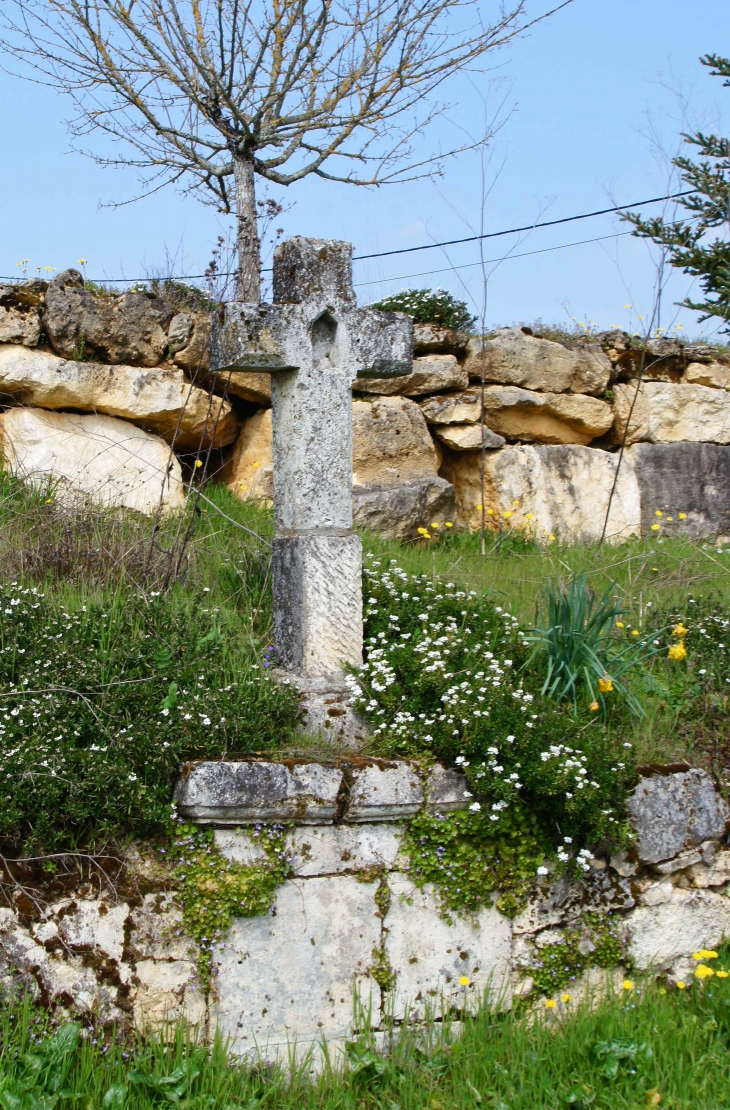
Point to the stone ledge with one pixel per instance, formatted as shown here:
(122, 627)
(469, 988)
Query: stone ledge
(310, 793)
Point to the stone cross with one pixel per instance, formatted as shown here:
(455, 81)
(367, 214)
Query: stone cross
(314, 341)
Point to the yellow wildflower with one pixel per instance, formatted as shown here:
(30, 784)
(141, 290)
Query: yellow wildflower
(490, 512)
(628, 984)
(516, 503)
(198, 462)
(448, 524)
(257, 464)
(565, 998)
(529, 516)
(656, 527)
(507, 514)
(550, 1003)
(681, 985)
(670, 519)
(424, 532)
(635, 632)
(677, 652)
(722, 974)
(434, 524)
(658, 513)
(682, 516)
(82, 262)
(605, 684)
(702, 971)
(464, 981)
(551, 538)
(594, 707)
(680, 631)
(619, 624)
(708, 954)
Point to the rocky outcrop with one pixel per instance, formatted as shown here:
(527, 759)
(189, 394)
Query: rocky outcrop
(660, 412)
(128, 328)
(564, 489)
(111, 462)
(161, 400)
(516, 357)
(20, 312)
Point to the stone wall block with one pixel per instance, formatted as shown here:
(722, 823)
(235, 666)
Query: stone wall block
(429, 955)
(667, 413)
(227, 793)
(673, 812)
(692, 478)
(665, 934)
(288, 977)
(113, 463)
(20, 312)
(430, 339)
(126, 328)
(193, 355)
(715, 375)
(566, 489)
(383, 792)
(446, 790)
(397, 511)
(326, 850)
(468, 437)
(516, 357)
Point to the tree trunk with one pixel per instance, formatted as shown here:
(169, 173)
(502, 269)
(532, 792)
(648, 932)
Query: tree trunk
(247, 235)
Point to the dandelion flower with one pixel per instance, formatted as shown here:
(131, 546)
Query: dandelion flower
(594, 707)
(507, 514)
(635, 632)
(682, 516)
(422, 531)
(448, 524)
(658, 513)
(434, 524)
(605, 684)
(681, 985)
(628, 984)
(722, 974)
(529, 516)
(480, 507)
(670, 519)
(702, 971)
(516, 504)
(198, 462)
(656, 527)
(680, 631)
(565, 998)
(490, 512)
(677, 652)
(619, 624)
(550, 1003)
(464, 981)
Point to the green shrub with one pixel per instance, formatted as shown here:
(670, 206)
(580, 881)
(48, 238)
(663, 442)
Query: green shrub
(429, 306)
(446, 677)
(100, 702)
(578, 651)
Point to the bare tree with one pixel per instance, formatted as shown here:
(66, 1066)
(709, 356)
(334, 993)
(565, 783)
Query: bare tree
(210, 93)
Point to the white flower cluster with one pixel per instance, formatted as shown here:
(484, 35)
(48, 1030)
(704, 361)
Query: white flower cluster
(572, 766)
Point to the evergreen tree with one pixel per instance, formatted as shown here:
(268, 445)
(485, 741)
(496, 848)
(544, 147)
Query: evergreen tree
(689, 246)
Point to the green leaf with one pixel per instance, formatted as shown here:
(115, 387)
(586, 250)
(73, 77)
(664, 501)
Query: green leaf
(115, 1097)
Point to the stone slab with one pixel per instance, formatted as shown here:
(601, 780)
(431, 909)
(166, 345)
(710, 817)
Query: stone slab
(668, 413)
(692, 478)
(20, 312)
(513, 356)
(661, 935)
(429, 955)
(381, 791)
(671, 813)
(398, 511)
(468, 437)
(445, 790)
(290, 975)
(227, 793)
(327, 850)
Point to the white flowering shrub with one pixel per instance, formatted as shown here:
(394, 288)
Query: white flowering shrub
(447, 676)
(430, 306)
(100, 703)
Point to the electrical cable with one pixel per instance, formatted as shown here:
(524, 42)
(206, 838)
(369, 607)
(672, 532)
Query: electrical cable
(432, 246)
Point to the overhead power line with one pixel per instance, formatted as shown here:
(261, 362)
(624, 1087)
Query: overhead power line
(433, 246)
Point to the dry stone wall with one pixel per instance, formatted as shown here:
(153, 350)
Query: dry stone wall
(351, 920)
(550, 417)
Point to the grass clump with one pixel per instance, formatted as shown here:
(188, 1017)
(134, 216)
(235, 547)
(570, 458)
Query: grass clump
(647, 1044)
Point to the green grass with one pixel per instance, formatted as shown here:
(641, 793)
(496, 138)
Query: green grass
(651, 1046)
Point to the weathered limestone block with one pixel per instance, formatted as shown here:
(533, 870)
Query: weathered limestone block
(565, 488)
(715, 375)
(673, 812)
(691, 478)
(188, 342)
(468, 437)
(383, 792)
(226, 793)
(430, 339)
(156, 931)
(94, 925)
(108, 460)
(663, 934)
(397, 511)
(167, 992)
(126, 328)
(666, 413)
(20, 312)
(545, 417)
(289, 976)
(391, 444)
(514, 357)
(431, 374)
(453, 408)
(323, 850)
(251, 474)
(159, 400)
(446, 790)
(713, 873)
(429, 955)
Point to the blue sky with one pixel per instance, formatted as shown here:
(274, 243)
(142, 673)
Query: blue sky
(586, 87)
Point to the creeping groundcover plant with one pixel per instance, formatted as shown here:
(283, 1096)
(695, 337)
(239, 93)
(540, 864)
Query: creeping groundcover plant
(448, 677)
